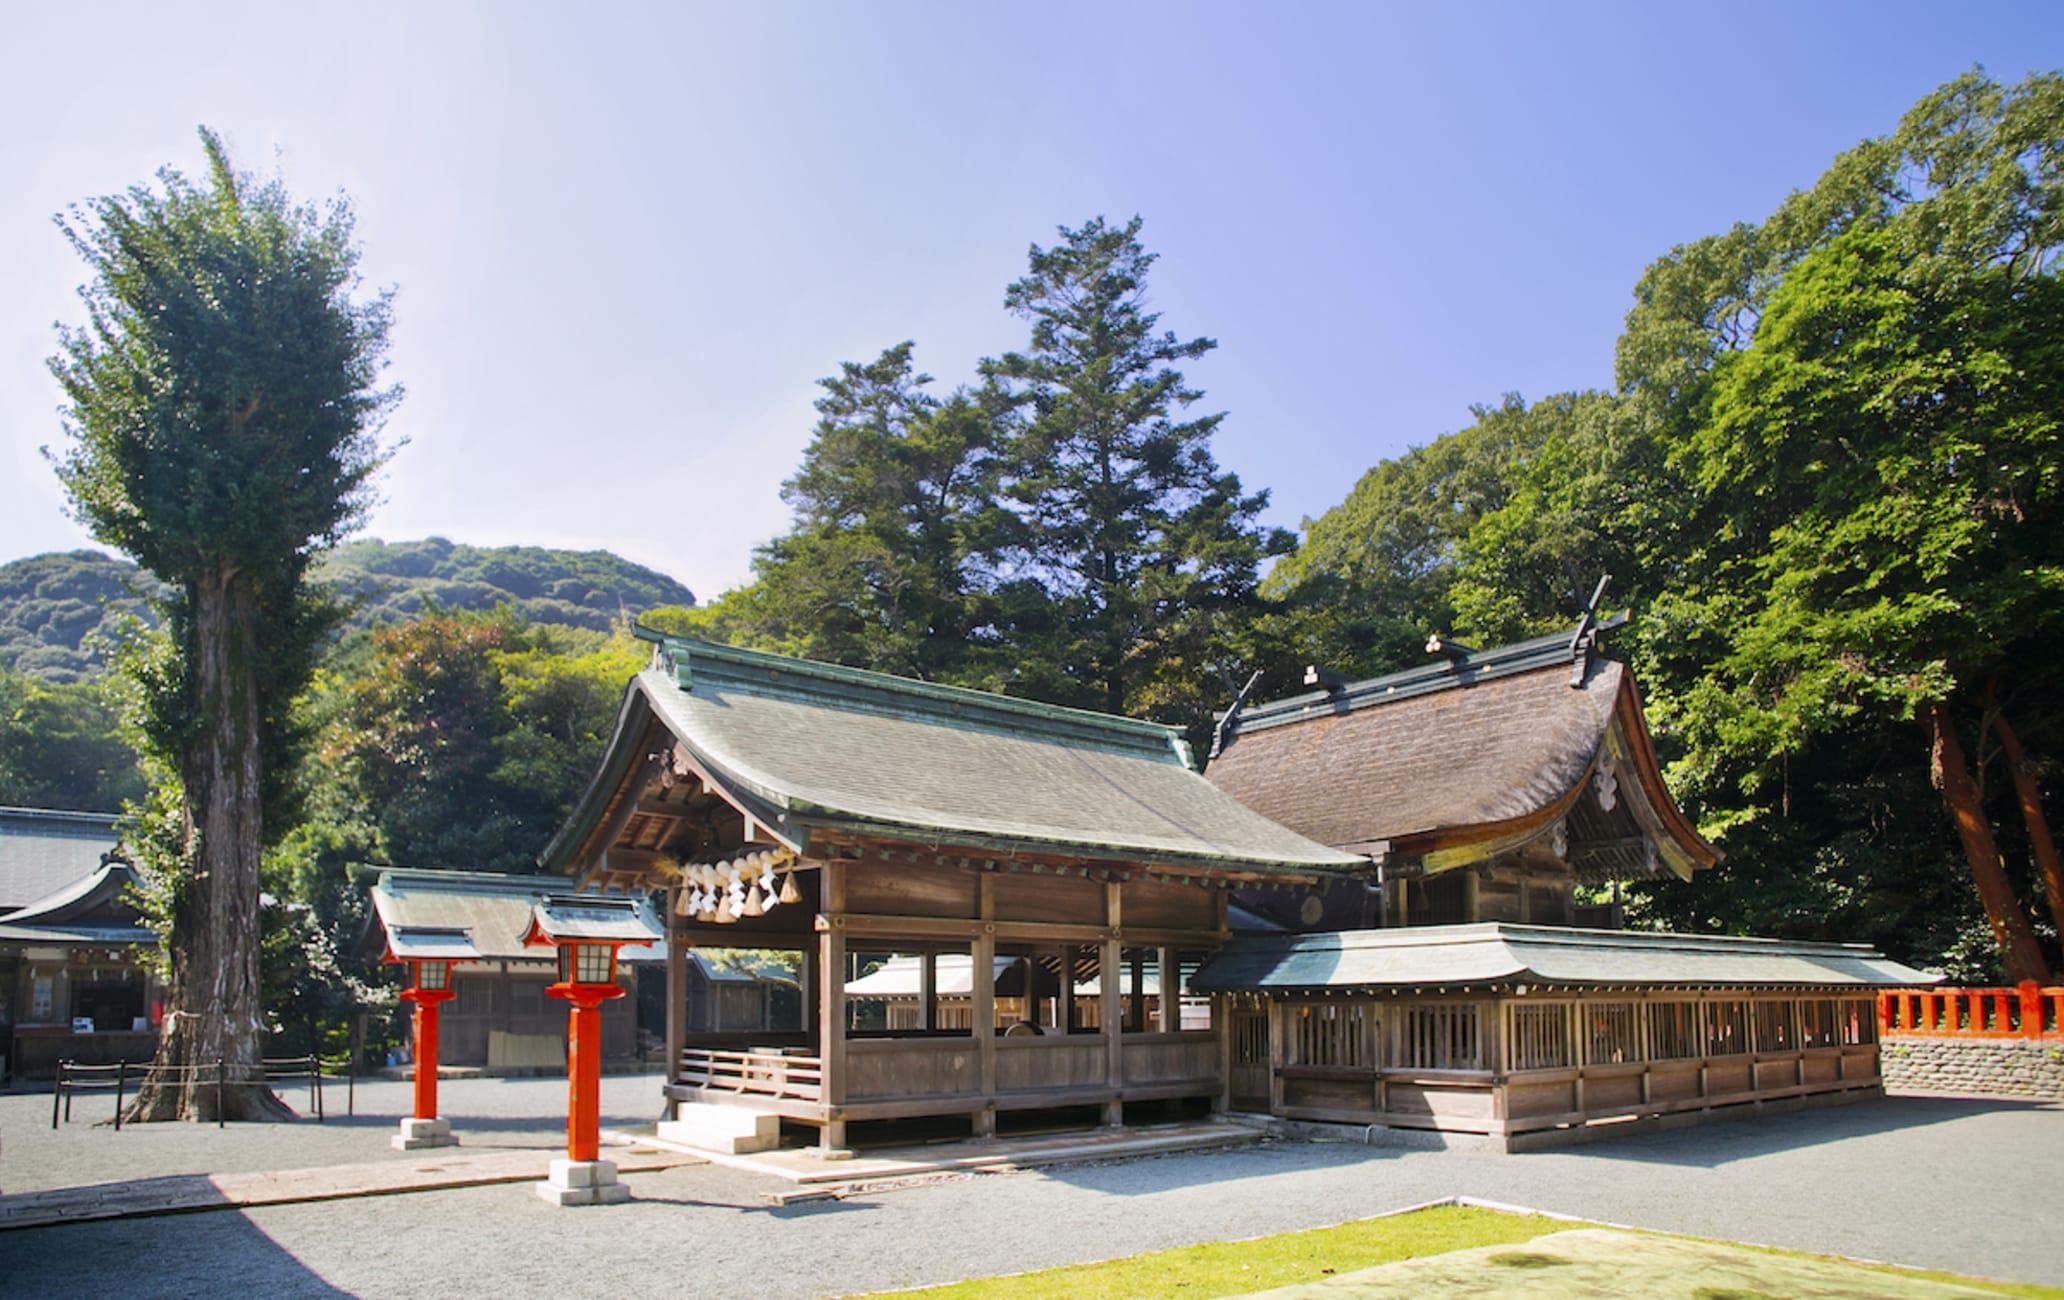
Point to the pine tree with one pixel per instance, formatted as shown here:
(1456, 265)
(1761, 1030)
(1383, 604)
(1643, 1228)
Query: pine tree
(1129, 555)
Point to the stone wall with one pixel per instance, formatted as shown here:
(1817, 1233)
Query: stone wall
(1974, 1067)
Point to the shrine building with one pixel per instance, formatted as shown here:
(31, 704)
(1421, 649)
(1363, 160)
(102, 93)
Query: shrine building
(1392, 902)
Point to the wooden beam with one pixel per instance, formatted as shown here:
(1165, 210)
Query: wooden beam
(867, 925)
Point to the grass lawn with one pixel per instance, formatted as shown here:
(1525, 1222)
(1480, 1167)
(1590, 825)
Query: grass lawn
(1292, 1258)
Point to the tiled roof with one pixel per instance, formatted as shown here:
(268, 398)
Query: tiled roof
(91, 910)
(821, 746)
(1494, 953)
(42, 851)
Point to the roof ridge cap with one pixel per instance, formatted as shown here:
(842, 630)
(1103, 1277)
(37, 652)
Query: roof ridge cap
(1517, 659)
(951, 704)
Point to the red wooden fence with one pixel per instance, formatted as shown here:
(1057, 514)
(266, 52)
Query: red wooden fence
(2029, 1011)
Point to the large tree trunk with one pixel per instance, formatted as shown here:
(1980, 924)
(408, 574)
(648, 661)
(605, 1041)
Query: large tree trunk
(213, 1019)
(2041, 847)
(2010, 928)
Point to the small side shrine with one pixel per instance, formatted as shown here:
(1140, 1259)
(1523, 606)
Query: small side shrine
(1469, 987)
(74, 985)
(1012, 865)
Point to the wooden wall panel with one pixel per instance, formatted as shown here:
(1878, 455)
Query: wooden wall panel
(1354, 1096)
(908, 889)
(1069, 900)
(1157, 1058)
(1158, 905)
(882, 1070)
(1028, 1064)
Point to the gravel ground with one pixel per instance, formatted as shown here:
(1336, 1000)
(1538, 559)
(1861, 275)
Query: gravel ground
(1961, 1185)
(488, 1114)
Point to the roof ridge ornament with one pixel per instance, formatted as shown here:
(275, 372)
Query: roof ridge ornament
(1457, 653)
(1584, 642)
(1230, 721)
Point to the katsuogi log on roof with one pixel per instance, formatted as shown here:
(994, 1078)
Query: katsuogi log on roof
(1477, 754)
(808, 752)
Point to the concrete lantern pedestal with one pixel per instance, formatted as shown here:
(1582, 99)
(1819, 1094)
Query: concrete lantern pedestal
(584, 1182)
(419, 1133)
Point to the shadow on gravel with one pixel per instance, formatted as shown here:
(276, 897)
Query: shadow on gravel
(216, 1255)
(1709, 1146)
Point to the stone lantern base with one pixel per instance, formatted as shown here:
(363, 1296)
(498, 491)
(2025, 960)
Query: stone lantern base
(584, 1182)
(418, 1133)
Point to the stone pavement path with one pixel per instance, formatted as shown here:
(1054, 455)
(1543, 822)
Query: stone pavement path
(185, 1193)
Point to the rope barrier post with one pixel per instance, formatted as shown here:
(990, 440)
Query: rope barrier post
(71, 1085)
(121, 1086)
(315, 1084)
(56, 1091)
(221, 1079)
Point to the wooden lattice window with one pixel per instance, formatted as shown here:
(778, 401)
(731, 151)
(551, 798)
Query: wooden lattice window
(1727, 1027)
(1331, 1033)
(1674, 1031)
(1440, 1038)
(1775, 1031)
(1541, 1036)
(1250, 1039)
(1859, 1021)
(1820, 1023)
(1609, 1036)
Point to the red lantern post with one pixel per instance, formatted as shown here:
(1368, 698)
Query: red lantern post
(587, 932)
(429, 953)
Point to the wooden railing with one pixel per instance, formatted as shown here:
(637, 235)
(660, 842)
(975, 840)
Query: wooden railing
(2028, 1011)
(760, 1074)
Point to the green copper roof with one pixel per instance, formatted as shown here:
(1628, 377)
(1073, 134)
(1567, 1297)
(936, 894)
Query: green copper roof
(821, 746)
(1496, 953)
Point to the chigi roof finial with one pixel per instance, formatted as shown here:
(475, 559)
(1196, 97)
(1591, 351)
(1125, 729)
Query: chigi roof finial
(1585, 639)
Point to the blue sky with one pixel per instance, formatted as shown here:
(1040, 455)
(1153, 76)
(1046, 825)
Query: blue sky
(627, 239)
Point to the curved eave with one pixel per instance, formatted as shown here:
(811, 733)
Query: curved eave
(1678, 842)
(1649, 771)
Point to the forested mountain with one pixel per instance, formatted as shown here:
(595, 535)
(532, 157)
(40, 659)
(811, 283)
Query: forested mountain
(392, 582)
(50, 605)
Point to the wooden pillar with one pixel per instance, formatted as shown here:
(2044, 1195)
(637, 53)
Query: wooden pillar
(1470, 883)
(676, 988)
(831, 1000)
(1111, 1008)
(1064, 991)
(982, 995)
(1222, 1025)
(1171, 991)
(928, 991)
